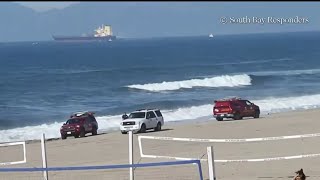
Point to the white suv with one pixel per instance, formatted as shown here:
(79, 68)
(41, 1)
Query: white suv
(141, 120)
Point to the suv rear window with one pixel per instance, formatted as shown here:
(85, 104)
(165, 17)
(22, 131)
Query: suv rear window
(151, 114)
(158, 113)
(91, 119)
(137, 115)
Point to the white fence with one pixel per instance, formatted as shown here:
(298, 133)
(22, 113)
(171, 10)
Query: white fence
(228, 141)
(15, 144)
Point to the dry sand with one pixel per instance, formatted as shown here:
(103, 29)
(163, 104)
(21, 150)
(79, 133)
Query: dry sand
(112, 148)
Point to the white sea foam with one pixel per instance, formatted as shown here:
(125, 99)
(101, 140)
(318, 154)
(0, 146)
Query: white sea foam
(218, 81)
(110, 123)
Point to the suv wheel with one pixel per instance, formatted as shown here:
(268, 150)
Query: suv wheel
(63, 136)
(94, 131)
(82, 132)
(143, 128)
(237, 116)
(256, 114)
(158, 128)
(219, 118)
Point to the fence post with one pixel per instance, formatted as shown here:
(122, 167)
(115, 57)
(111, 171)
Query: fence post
(44, 156)
(131, 155)
(212, 173)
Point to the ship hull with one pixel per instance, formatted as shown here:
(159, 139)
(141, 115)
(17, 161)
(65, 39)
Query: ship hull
(83, 38)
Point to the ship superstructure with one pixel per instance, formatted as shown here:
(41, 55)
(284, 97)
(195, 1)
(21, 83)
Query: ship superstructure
(102, 33)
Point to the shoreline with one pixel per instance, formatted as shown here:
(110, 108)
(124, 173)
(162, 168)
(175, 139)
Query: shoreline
(53, 128)
(112, 148)
(183, 123)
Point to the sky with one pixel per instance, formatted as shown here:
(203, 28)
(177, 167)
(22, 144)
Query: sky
(152, 19)
(45, 6)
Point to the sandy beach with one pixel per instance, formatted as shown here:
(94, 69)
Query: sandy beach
(112, 148)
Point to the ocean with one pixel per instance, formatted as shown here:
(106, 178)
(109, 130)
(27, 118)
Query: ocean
(42, 83)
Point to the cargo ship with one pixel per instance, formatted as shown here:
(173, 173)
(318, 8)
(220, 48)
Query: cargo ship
(103, 33)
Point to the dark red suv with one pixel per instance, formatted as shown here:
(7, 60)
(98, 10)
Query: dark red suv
(235, 108)
(79, 124)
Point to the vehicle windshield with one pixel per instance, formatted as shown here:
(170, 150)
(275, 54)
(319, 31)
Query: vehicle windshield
(73, 121)
(137, 115)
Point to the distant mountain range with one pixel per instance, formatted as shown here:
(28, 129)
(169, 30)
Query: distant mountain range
(150, 19)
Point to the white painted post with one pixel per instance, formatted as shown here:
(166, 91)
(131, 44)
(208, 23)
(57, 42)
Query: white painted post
(44, 157)
(212, 173)
(131, 154)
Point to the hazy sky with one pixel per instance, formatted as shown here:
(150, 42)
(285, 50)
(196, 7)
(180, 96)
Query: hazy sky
(155, 19)
(44, 6)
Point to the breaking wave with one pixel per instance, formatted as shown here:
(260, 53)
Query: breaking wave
(218, 81)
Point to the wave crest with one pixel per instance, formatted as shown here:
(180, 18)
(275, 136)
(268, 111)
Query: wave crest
(218, 81)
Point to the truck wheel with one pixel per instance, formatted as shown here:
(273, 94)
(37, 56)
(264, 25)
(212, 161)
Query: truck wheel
(143, 128)
(158, 128)
(82, 133)
(94, 131)
(219, 118)
(256, 114)
(124, 132)
(63, 136)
